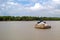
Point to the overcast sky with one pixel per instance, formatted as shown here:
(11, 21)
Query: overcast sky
(45, 8)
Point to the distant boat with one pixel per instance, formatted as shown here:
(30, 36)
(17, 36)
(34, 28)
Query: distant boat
(42, 25)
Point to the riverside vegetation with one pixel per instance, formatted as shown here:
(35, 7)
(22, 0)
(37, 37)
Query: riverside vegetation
(27, 18)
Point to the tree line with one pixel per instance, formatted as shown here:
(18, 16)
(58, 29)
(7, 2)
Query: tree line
(26, 18)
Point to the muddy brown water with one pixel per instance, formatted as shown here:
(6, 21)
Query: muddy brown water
(24, 30)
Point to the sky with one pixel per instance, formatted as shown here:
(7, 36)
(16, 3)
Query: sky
(43, 8)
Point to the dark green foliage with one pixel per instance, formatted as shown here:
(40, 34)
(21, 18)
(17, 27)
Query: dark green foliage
(26, 18)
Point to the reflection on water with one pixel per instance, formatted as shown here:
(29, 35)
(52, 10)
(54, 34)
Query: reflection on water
(24, 30)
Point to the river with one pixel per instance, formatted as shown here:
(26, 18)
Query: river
(24, 30)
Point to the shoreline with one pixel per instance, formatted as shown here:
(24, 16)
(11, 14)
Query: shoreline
(28, 18)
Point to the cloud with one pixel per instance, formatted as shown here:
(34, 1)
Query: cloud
(56, 1)
(30, 8)
(37, 6)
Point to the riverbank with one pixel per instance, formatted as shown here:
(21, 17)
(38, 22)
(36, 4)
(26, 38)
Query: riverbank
(28, 18)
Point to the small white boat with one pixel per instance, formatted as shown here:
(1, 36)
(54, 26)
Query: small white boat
(42, 25)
